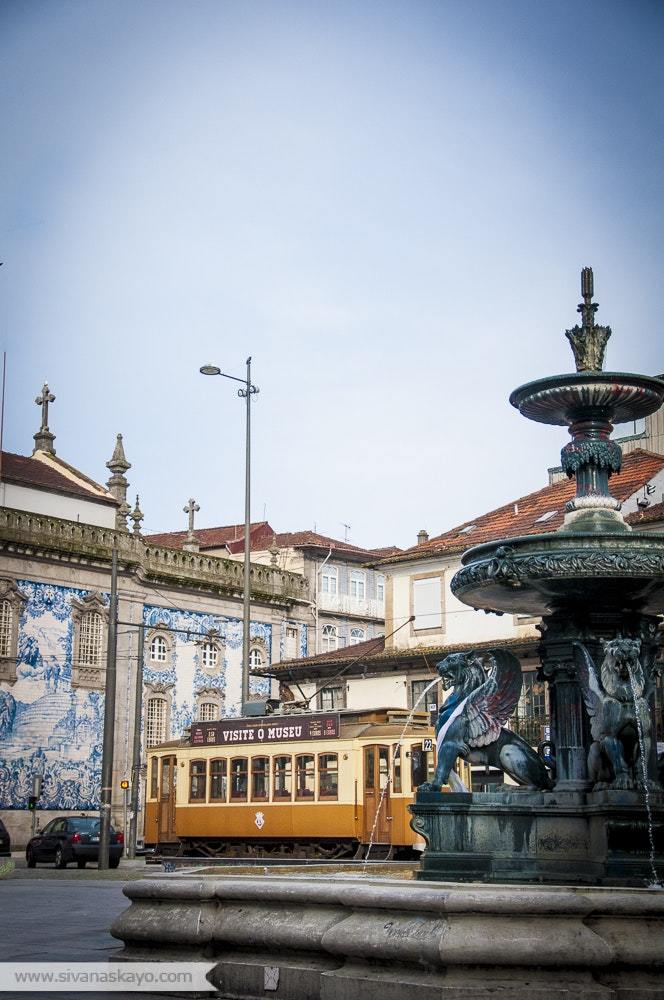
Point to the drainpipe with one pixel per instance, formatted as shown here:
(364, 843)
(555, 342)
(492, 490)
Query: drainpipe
(318, 571)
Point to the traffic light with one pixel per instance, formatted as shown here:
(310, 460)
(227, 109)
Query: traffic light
(32, 802)
(124, 785)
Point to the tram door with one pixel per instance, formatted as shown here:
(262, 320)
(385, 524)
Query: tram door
(376, 779)
(166, 825)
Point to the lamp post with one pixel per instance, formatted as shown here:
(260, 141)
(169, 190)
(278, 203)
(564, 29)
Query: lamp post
(245, 393)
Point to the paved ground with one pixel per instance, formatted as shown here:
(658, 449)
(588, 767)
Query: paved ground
(50, 915)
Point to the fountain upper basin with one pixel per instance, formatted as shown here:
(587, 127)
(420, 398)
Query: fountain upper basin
(563, 399)
(538, 574)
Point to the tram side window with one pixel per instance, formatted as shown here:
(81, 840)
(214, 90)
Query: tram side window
(328, 776)
(396, 768)
(283, 777)
(239, 778)
(218, 780)
(154, 777)
(305, 770)
(260, 777)
(418, 765)
(197, 775)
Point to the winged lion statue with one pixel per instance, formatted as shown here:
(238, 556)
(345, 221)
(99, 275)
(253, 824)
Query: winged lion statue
(617, 701)
(471, 721)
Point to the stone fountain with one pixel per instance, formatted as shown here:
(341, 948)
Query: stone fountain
(593, 821)
(598, 586)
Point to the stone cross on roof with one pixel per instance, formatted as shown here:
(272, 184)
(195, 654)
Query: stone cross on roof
(191, 543)
(43, 438)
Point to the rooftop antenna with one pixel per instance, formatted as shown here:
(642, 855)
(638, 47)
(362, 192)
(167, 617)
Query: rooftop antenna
(346, 528)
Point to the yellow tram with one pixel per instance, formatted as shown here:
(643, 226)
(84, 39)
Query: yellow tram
(315, 785)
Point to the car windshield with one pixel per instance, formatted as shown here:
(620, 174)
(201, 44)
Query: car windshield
(84, 824)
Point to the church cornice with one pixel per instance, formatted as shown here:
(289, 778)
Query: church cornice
(57, 539)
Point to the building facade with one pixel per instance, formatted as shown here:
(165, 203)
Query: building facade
(346, 588)
(55, 582)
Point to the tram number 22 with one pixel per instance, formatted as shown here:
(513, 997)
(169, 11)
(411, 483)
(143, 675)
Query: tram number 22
(427, 744)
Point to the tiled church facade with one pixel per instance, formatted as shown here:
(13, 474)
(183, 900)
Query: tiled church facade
(51, 711)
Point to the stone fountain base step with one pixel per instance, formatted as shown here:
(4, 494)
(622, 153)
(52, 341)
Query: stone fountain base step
(354, 938)
(596, 838)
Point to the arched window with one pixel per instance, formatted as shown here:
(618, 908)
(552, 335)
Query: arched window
(218, 780)
(356, 636)
(155, 721)
(283, 773)
(239, 767)
(90, 618)
(255, 658)
(12, 601)
(197, 780)
(328, 776)
(260, 777)
(210, 656)
(90, 639)
(305, 776)
(158, 649)
(330, 639)
(208, 711)
(6, 623)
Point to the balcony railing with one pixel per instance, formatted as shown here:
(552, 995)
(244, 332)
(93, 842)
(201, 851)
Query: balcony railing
(344, 604)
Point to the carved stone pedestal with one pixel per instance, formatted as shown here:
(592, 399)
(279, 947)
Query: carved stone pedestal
(599, 838)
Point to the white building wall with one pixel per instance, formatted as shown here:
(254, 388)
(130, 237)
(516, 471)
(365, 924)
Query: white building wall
(461, 624)
(57, 505)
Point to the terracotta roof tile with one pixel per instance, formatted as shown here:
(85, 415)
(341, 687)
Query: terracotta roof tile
(30, 472)
(209, 538)
(647, 516)
(535, 513)
(373, 652)
(232, 536)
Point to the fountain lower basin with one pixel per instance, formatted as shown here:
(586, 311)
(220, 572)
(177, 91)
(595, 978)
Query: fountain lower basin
(333, 938)
(536, 574)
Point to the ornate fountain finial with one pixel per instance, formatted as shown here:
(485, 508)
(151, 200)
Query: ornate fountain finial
(588, 341)
(43, 438)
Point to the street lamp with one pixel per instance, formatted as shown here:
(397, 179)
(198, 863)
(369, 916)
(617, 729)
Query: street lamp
(245, 393)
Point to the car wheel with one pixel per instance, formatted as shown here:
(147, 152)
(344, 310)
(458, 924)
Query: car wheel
(113, 862)
(60, 858)
(30, 858)
(80, 864)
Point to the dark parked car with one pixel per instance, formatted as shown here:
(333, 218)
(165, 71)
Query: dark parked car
(72, 838)
(5, 845)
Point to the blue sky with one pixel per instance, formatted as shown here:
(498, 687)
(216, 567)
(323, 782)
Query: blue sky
(386, 204)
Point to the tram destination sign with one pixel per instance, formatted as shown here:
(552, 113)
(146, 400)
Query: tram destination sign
(272, 729)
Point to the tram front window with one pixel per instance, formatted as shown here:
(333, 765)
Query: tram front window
(239, 778)
(306, 776)
(260, 771)
(283, 777)
(328, 776)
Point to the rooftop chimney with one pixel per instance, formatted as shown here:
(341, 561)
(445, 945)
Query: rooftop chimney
(422, 537)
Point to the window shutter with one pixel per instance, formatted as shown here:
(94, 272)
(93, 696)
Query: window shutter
(427, 603)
